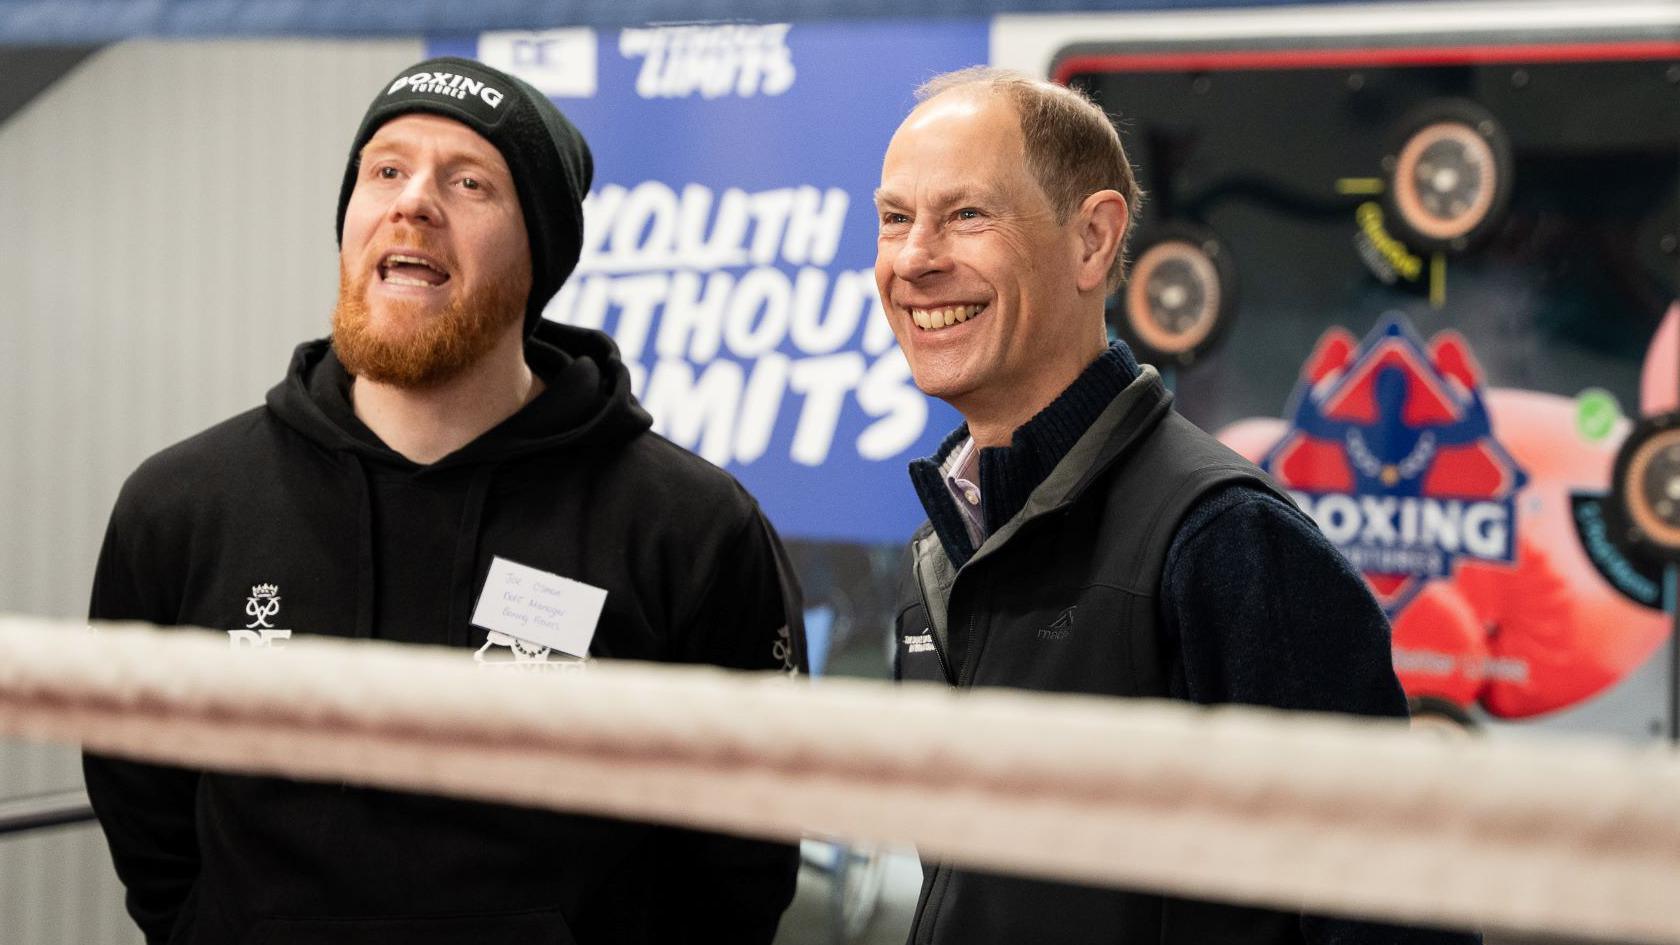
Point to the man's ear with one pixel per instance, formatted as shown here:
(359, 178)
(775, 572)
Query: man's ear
(1102, 220)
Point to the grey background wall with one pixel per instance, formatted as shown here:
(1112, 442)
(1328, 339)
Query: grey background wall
(166, 238)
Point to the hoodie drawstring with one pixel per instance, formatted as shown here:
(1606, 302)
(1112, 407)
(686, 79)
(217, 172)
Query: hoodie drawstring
(365, 577)
(466, 555)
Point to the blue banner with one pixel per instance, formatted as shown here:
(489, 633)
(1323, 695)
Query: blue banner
(730, 245)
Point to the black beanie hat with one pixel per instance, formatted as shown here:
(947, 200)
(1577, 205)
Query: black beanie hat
(551, 164)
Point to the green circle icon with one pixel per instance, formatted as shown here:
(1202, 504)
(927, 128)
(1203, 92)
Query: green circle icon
(1596, 413)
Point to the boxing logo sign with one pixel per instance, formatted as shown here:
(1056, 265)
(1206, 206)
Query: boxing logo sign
(1390, 449)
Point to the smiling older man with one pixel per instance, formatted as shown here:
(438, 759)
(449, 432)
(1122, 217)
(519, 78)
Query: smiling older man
(1081, 535)
(444, 442)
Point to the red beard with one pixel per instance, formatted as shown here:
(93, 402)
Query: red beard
(410, 347)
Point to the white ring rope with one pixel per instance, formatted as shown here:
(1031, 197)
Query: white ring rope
(1566, 836)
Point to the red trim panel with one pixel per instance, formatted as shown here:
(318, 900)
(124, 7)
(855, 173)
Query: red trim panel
(1231, 59)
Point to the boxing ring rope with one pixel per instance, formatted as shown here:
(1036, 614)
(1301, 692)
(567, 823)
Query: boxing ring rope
(1328, 814)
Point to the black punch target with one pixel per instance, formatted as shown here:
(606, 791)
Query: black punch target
(1449, 177)
(1646, 487)
(1181, 293)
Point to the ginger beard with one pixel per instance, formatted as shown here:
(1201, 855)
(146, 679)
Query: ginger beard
(410, 344)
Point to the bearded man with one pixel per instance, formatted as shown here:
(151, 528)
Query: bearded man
(445, 434)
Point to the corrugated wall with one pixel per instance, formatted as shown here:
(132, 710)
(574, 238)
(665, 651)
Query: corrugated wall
(166, 238)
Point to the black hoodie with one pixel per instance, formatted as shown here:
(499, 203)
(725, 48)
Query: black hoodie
(295, 517)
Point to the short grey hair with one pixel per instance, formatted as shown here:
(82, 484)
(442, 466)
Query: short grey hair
(1072, 148)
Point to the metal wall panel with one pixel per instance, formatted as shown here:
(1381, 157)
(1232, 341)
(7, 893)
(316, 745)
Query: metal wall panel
(57, 888)
(166, 238)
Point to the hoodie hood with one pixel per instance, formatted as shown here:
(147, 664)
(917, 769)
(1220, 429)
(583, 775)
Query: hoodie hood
(586, 401)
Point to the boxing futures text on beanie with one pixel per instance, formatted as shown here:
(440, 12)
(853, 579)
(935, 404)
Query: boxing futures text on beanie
(551, 164)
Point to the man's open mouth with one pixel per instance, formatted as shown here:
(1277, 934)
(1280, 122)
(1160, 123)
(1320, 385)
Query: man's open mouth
(409, 269)
(933, 319)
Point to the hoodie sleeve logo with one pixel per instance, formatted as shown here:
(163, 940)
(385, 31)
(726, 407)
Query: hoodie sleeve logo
(783, 651)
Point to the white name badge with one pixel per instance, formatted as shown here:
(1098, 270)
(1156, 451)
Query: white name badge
(539, 607)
